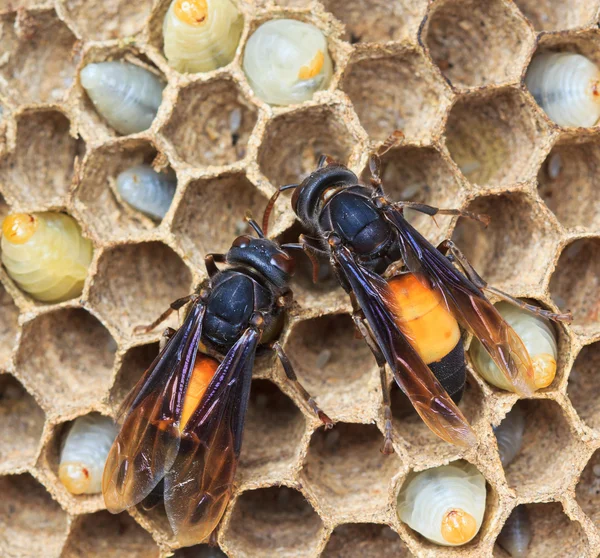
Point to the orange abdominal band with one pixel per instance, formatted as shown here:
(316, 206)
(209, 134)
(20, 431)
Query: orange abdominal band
(203, 373)
(192, 12)
(458, 526)
(423, 318)
(19, 228)
(314, 66)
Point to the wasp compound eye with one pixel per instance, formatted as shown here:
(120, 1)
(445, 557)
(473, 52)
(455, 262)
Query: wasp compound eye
(242, 241)
(284, 262)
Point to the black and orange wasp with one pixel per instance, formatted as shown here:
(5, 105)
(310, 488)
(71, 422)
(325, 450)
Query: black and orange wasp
(408, 296)
(182, 424)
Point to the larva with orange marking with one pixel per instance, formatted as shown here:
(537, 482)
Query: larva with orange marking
(46, 255)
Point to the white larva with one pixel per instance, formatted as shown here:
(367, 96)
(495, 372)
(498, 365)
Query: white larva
(566, 86)
(84, 452)
(515, 536)
(286, 61)
(46, 255)
(445, 504)
(509, 435)
(540, 341)
(201, 35)
(126, 95)
(146, 190)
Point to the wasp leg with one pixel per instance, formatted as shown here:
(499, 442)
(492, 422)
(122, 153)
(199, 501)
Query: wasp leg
(293, 379)
(166, 337)
(433, 211)
(210, 262)
(388, 447)
(176, 305)
(310, 250)
(455, 254)
(393, 140)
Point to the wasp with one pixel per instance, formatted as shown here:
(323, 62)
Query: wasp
(182, 424)
(409, 297)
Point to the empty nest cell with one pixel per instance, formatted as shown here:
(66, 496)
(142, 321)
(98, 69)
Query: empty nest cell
(584, 382)
(347, 471)
(31, 523)
(200, 551)
(40, 169)
(134, 363)
(588, 489)
(211, 123)
(334, 366)
(421, 175)
(516, 248)
(107, 20)
(78, 350)
(567, 183)
(496, 138)
(272, 432)
(552, 533)
(399, 91)
(104, 534)
(21, 425)
(478, 43)
(9, 323)
(544, 462)
(136, 283)
(294, 142)
(211, 214)
(575, 284)
(273, 518)
(364, 540)
(39, 62)
(556, 15)
(109, 217)
(378, 21)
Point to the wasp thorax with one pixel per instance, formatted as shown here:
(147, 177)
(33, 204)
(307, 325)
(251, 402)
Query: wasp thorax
(201, 35)
(444, 504)
(286, 61)
(566, 86)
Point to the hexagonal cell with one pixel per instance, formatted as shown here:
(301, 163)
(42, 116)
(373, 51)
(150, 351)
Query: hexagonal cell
(95, 196)
(135, 283)
(31, 523)
(21, 425)
(398, 91)
(273, 518)
(552, 533)
(516, 248)
(41, 66)
(107, 20)
(9, 324)
(200, 127)
(567, 182)
(420, 174)
(496, 138)
(408, 425)
(334, 366)
(294, 142)
(347, 471)
(134, 363)
(478, 43)
(584, 384)
(378, 21)
(104, 534)
(364, 540)
(77, 347)
(40, 169)
(575, 286)
(543, 462)
(200, 551)
(211, 214)
(550, 15)
(272, 433)
(588, 489)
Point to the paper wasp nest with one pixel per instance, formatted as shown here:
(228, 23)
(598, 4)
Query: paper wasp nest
(450, 75)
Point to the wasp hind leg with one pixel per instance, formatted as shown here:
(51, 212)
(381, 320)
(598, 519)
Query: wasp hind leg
(454, 253)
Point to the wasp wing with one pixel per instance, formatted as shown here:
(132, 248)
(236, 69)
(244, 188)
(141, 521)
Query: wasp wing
(149, 439)
(199, 484)
(427, 395)
(467, 303)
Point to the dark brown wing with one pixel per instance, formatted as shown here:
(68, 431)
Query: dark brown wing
(199, 484)
(414, 377)
(467, 303)
(149, 439)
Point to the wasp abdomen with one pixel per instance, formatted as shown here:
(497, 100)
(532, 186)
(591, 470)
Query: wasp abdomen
(204, 370)
(430, 328)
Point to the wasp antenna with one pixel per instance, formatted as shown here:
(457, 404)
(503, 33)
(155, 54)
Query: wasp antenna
(393, 140)
(324, 161)
(254, 225)
(271, 205)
